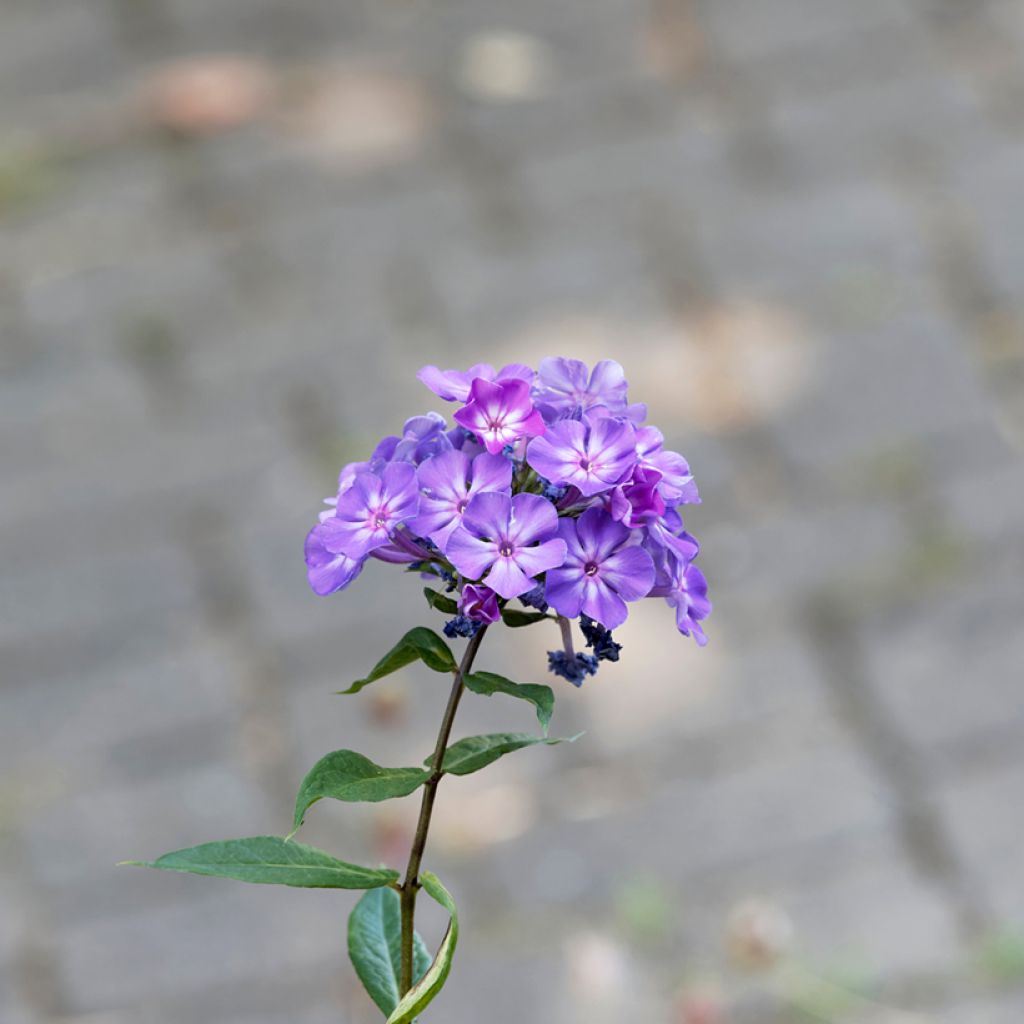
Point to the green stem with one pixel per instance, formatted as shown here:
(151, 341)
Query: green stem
(410, 886)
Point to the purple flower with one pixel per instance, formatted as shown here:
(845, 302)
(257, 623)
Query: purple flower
(602, 570)
(454, 385)
(637, 501)
(564, 390)
(591, 456)
(372, 509)
(422, 437)
(328, 571)
(480, 603)
(500, 413)
(677, 486)
(447, 484)
(514, 538)
(685, 589)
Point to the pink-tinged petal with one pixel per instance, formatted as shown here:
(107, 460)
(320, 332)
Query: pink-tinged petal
(470, 555)
(630, 572)
(353, 538)
(532, 518)
(548, 555)
(531, 425)
(563, 590)
(603, 605)
(488, 514)
(599, 534)
(490, 473)
(507, 579)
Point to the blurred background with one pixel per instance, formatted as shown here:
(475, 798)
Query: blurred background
(230, 233)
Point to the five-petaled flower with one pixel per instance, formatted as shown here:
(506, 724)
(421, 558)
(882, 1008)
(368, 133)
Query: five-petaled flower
(603, 570)
(513, 540)
(371, 510)
(447, 485)
(591, 455)
(500, 413)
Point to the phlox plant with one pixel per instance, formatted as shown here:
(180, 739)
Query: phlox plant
(547, 501)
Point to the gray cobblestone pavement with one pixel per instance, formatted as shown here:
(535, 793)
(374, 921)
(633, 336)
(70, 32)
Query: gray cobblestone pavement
(800, 226)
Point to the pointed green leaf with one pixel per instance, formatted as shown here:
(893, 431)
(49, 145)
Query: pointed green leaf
(418, 644)
(346, 775)
(515, 618)
(270, 860)
(422, 993)
(476, 752)
(375, 947)
(442, 602)
(541, 697)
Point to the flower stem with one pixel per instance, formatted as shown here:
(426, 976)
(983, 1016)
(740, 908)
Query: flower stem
(410, 886)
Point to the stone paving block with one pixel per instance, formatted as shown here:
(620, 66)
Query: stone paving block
(228, 936)
(874, 129)
(987, 184)
(747, 29)
(60, 47)
(945, 687)
(980, 813)
(866, 397)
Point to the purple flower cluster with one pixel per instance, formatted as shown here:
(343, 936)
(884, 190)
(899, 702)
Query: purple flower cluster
(548, 489)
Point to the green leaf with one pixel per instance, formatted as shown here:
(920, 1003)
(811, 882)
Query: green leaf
(270, 860)
(422, 993)
(346, 775)
(420, 644)
(541, 697)
(375, 947)
(515, 618)
(440, 601)
(476, 752)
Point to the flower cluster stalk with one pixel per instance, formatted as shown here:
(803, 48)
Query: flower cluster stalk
(410, 885)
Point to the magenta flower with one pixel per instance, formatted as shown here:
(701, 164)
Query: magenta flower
(591, 456)
(500, 413)
(372, 509)
(512, 539)
(602, 570)
(454, 385)
(328, 571)
(479, 603)
(637, 501)
(563, 389)
(447, 484)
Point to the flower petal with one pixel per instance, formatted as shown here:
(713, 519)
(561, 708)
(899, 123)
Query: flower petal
(487, 515)
(507, 579)
(470, 555)
(630, 571)
(532, 518)
(548, 555)
(563, 590)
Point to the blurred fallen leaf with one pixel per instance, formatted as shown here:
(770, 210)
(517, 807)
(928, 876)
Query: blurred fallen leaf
(199, 96)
